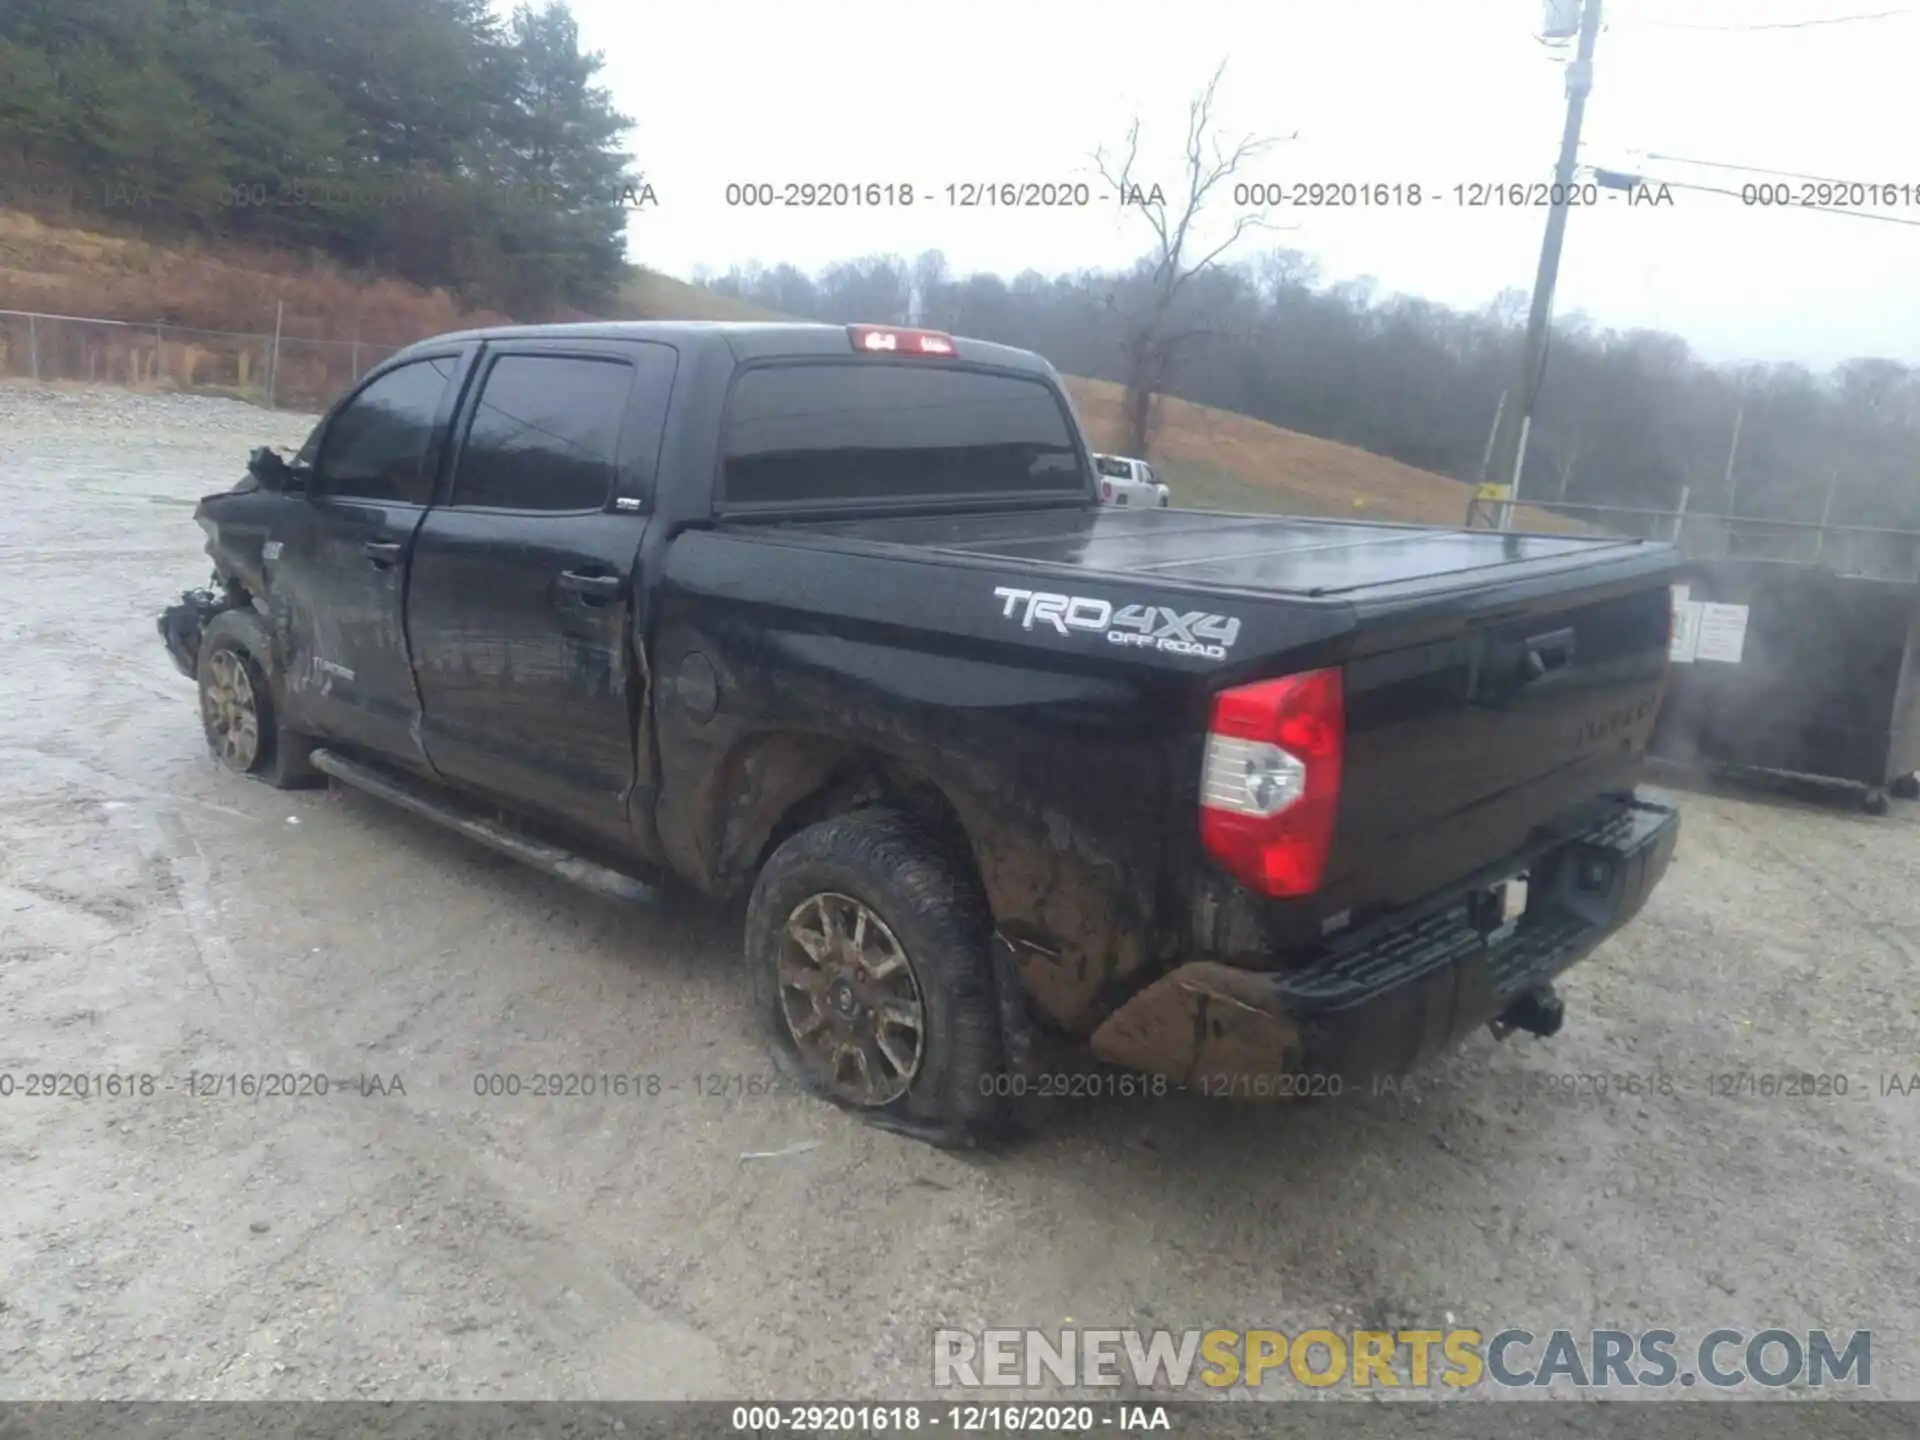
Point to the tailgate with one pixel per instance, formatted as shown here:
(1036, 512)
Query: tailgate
(1461, 748)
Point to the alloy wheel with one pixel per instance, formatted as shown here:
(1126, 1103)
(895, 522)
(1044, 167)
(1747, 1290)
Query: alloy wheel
(850, 1000)
(231, 711)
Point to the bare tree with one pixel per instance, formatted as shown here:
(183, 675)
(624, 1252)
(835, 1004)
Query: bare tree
(1154, 336)
(1622, 422)
(931, 276)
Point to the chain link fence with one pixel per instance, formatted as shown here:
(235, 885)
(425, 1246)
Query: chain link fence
(1866, 551)
(281, 371)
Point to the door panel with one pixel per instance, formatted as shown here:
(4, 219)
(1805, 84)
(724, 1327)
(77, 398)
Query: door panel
(339, 581)
(523, 591)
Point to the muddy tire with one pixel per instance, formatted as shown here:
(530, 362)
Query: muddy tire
(239, 705)
(870, 963)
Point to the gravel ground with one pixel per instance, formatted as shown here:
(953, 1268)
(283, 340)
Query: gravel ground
(412, 1239)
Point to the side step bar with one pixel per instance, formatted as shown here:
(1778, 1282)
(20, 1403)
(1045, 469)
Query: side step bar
(410, 795)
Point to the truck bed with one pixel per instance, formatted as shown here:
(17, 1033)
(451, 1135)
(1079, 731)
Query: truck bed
(1457, 752)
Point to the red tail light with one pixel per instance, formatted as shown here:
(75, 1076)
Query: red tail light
(1106, 489)
(892, 340)
(1270, 785)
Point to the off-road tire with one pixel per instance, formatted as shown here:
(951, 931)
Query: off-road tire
(884, 861)
(280, 755)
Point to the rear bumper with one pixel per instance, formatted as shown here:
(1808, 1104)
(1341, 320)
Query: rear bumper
(1389, 998)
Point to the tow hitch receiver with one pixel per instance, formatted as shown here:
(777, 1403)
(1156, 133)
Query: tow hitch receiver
(1538, 1012)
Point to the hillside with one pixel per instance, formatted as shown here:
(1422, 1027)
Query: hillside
(648, 296)
(1213, 459)
(1216, 460)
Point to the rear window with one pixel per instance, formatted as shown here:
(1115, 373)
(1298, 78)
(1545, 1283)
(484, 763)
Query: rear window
(1118, 469)
(802, 434)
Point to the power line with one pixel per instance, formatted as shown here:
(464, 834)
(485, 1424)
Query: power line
(1747, 169)
(1817, 209)
(1768, 25)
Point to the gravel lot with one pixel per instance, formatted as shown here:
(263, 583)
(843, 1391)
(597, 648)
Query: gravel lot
(159, 917)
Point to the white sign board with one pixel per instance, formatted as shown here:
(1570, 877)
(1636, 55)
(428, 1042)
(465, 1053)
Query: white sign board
(1686, 627)
(1723, 633)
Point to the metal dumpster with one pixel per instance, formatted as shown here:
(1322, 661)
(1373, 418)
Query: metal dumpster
(1782, 665)
(1793, 644)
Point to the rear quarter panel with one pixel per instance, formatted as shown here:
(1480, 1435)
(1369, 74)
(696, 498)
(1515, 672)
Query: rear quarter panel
(1063, 756)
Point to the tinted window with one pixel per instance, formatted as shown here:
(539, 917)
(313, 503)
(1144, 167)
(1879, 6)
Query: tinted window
(545, 434)
(801, 433)
(376, 446)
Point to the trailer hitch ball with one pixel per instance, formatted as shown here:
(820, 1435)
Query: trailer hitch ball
(1538, 1012)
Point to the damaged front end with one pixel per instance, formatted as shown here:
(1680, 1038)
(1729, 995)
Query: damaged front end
(235, 522)
(182, 624)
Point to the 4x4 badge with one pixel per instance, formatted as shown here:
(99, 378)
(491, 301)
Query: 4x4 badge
(1156, 627)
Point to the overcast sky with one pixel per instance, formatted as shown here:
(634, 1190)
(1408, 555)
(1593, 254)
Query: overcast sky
(1408, 91)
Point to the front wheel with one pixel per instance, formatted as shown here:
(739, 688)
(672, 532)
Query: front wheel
(869, 951)
(238, 707)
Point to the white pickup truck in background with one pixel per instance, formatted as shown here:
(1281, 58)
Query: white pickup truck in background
(1125, 481)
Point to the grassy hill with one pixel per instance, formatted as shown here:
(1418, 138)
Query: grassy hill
(1217, 460)
(1213, 459)
(648, 296)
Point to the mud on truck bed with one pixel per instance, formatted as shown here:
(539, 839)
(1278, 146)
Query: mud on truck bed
(831, 619)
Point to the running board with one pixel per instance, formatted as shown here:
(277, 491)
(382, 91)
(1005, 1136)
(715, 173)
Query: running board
(410, 795)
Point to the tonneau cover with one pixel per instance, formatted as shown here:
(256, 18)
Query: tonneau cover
(1280, 555)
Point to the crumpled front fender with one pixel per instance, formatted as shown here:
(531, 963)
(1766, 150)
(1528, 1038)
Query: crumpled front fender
(182, 624)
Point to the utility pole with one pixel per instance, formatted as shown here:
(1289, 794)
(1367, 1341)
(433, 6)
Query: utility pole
(1733, 449)
(1728, 523)
(1493, 432)
(1513, 455)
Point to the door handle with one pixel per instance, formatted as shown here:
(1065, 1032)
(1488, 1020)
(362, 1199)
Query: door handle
(1547, 653)
(383, 552)
(594, 589)
(1503, 669)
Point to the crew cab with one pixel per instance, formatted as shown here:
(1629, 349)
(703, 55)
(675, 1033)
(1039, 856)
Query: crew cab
(1126, 481)
(831, 619)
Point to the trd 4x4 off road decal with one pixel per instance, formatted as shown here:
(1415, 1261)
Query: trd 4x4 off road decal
(1156, 627)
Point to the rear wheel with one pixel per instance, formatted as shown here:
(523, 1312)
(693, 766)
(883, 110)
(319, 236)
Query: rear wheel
(870, 961)
(238, 704)
(1906, 787)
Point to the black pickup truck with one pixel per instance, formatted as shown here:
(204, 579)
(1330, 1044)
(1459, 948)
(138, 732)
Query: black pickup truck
(830, 618)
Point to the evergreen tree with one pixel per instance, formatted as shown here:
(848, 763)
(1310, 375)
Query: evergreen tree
(420, 137)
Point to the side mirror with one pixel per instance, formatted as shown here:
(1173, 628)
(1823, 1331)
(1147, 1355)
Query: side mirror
(274, 473)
